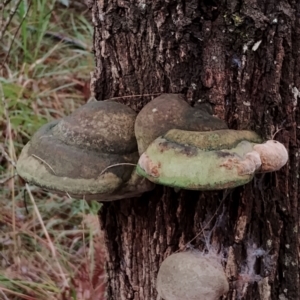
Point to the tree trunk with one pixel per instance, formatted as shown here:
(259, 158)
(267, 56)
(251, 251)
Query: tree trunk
(243, 57)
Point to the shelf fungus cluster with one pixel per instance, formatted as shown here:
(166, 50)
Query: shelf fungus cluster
(93, 152)
(104, 151)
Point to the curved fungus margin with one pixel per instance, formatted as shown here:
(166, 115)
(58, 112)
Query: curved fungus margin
(210, 160)
(91, 153)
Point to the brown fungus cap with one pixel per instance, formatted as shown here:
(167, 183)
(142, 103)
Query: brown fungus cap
(170, 111)
(74, 155)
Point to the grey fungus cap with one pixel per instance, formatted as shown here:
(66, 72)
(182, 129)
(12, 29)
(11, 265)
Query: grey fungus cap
(191, 275)
(90, 153)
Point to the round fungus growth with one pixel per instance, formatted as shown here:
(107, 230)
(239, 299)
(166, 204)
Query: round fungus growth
(91, 153)
(209, 160)
(170, 111)
(273, 155)
(191, 275)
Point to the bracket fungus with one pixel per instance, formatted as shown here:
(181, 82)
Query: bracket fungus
(191, 275)
(185, 147)
(210, 160)
(90, 153)
(199, 160)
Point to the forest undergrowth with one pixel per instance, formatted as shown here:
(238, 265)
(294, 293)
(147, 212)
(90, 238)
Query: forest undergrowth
(50, 246)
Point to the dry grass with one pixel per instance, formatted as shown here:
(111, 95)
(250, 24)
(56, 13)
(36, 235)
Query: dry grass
(50, 246)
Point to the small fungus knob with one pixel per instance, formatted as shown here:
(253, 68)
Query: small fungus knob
(273, 155)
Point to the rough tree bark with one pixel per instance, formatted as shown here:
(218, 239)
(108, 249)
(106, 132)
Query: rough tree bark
(243, 57)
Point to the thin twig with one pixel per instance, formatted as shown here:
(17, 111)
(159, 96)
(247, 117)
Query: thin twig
(11, 157)
(274, 134)
(7, 179)
(116, 165)
(50, 243)
(9, 18)
(2, 293)
(64, 39)
(44, 162)
(24, 201)
(6, 260)
(22, 296)
(41, 61)
(132, 96)
(7, 157)
(68, 195)
(6, 2)
(13, 40)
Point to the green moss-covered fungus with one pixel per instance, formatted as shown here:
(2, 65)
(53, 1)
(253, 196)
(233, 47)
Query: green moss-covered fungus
(91, 153)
